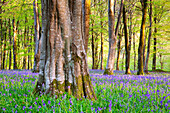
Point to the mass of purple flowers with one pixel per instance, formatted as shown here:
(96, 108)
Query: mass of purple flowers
(115, 93)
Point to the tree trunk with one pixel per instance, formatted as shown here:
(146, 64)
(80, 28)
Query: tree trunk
(29, 41)
(10, 41)
(37, 37)
(123, 59)
(102, 40)
(63, 60)
(154, 48)
(144, 47)
(112, 40)
(4, 52)
(119, 50)
(127, 50)
(134, 50)
(93, 59)
(86, 21)
(1, 37)
(161, 62)
(149, 38)
(24, 46)
(112, 36)
(14, 45)
(141, 41)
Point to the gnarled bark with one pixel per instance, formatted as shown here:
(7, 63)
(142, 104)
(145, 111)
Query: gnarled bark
(63, 62)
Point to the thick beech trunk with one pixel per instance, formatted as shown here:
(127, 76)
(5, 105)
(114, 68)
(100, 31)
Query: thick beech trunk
(63, 60)
(37, 37)
(141, 41)
(127, 50)
(149, 38)
(112, 36)
(154, 48)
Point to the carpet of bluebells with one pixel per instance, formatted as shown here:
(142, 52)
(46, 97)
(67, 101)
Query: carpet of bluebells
(115, 93)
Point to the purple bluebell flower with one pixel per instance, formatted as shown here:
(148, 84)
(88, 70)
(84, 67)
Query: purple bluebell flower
(23, 107)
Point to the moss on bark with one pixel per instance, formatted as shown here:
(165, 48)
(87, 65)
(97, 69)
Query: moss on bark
(107, 72)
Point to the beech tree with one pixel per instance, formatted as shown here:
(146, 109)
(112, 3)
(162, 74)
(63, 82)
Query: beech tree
(37, 37)
(149, 38)
(112, 35)
(141, 41)
(127, 43)
(63, 60)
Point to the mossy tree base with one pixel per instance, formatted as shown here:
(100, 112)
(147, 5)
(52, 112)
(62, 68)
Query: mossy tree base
(107, 72)
(128, 73)
(57, 89)
(140, 73)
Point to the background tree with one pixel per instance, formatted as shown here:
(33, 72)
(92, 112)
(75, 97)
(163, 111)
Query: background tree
(142, 34)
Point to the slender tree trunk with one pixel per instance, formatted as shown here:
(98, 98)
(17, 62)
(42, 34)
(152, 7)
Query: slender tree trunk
(29, 41)
(123, 59)
(119, 50)
(149, 38)
(37, 37)
(1, 37)
(134, 50)
(102, 40)
(127, 64)
(161, 62)
(141, 41)
(86, 21)
(63, 60)
(144, 47)
(24, 46)
(10, 41)
(93, 59)
(4, 52)
(14, 45)
(1, 59)
(154, 48)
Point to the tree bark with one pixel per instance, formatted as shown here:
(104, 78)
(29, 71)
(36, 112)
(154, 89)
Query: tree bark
(63, 60)
(127, 50)
(149, 38)
(24, 46)
(4, 52)
(37, 37)
(112, 36)
(86, 21)
(119, 49)
(154, 48)
(123, 59)
(141, 41)
(102, 40)
(10, 41)
(14, 44)
(134, 50)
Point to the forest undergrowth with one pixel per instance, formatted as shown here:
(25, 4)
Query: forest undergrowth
(115, 93)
